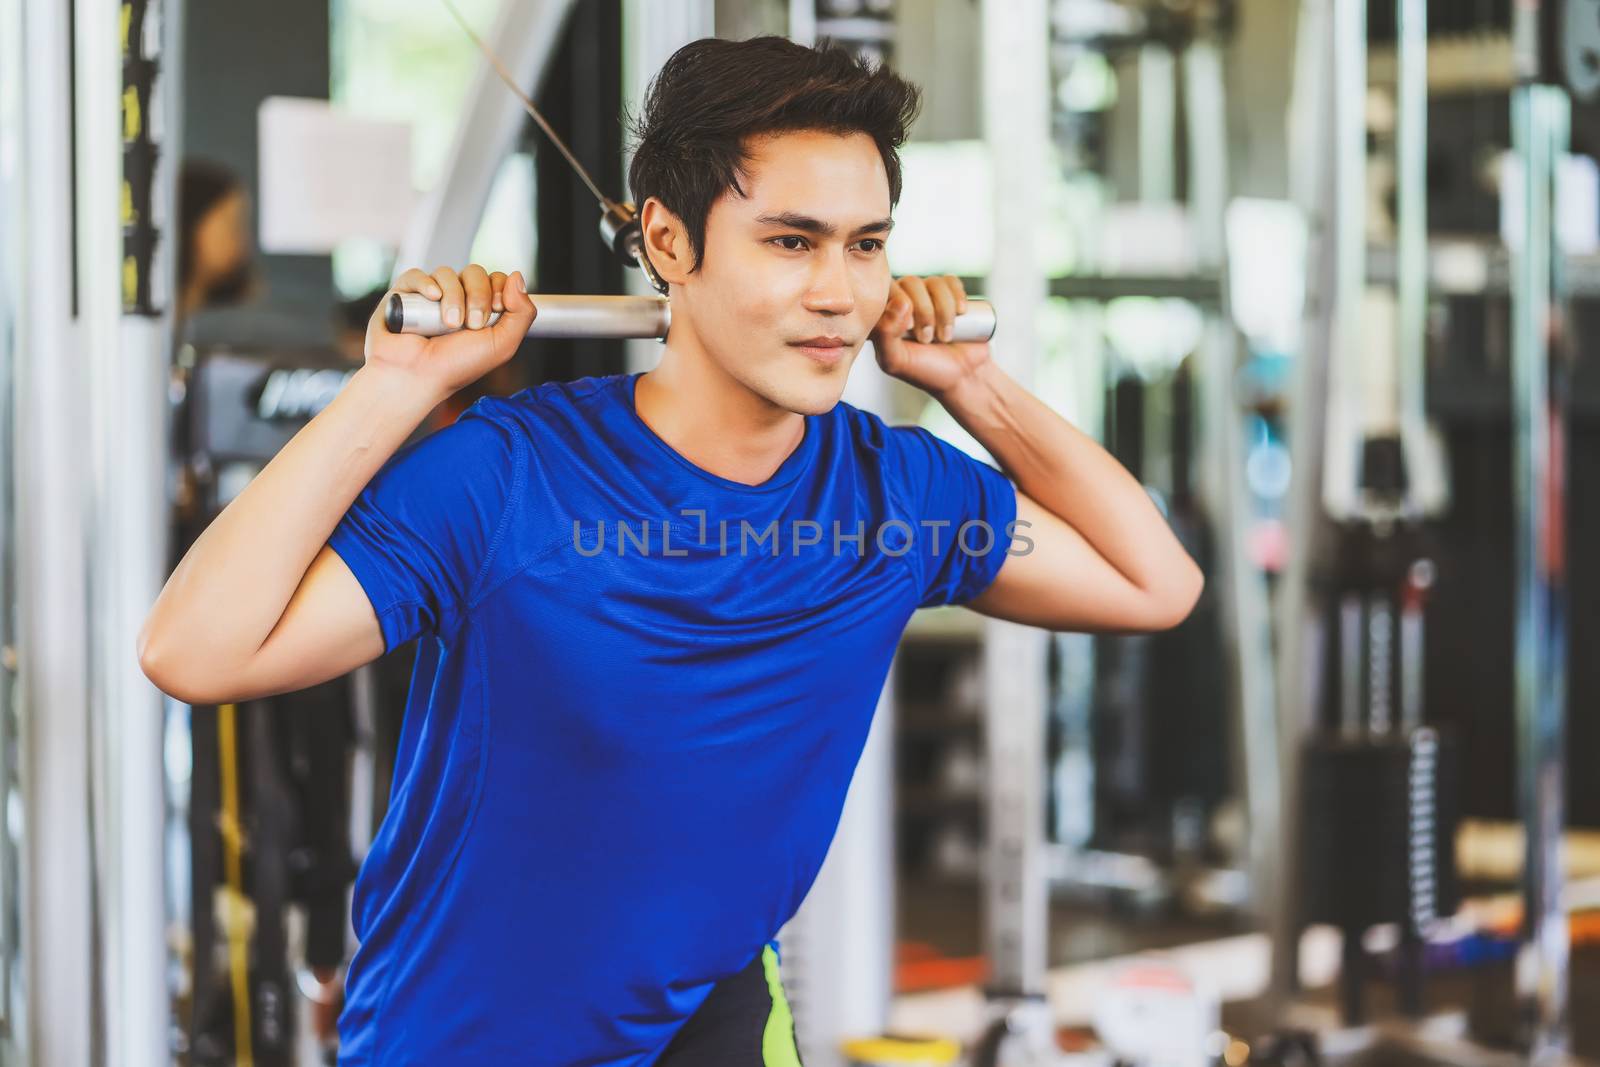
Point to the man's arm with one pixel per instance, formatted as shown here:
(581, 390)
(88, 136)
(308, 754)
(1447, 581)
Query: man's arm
(259, 604)
(1103, 556)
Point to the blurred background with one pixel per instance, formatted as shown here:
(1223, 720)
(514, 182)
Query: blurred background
(1320, 273)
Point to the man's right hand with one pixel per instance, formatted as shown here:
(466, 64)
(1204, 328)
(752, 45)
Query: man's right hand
(442, 365)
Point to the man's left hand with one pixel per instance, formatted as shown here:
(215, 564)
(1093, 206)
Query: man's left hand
(926, 307)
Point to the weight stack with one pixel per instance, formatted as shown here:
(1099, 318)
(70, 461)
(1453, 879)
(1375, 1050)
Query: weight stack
(1379, 847)
(1379, 832)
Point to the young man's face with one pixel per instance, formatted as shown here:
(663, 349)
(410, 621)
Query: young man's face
(801, 256)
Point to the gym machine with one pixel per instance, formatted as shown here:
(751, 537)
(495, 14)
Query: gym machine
(613, 317)
(1367, 769)
(1022, 864)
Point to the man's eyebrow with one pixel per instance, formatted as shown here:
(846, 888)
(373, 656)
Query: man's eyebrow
(806, 223)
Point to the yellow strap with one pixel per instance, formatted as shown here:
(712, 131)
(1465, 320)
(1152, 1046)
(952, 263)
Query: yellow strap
(238, 947)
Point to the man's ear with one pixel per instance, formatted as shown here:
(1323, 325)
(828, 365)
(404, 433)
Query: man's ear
(666, 241)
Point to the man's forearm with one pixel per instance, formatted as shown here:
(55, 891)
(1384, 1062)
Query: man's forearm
(233, 584)
(1070, 475)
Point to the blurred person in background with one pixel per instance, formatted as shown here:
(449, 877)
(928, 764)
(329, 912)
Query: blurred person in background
(216, 257)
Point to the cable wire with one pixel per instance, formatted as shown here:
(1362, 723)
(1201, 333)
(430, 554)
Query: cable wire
(605, 201)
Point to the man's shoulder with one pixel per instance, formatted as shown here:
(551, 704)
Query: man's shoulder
(556, 403)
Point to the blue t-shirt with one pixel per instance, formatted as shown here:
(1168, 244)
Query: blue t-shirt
(641, 690)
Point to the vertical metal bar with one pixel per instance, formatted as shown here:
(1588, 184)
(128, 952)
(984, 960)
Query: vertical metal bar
(651, 31)
(1539, 124)
(1411, 240)
(1243, 597)
(1349, 224)
(12, 273)
(1316, 182)
(52, 616)
(1074, 771)
(839, 948)
(126, 392)
(1016, 122)
(1158, 111)
(803, 22)
(1351, 724)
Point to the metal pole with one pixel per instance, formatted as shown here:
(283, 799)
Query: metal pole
(1158, 119)
(1316, 186)
(126, 392)
(838, 950)
(56, 910)
(1411, 240)
(1349, 222)
(1016, 113)
(1244, 602)
(651, 31)
(1539, 123)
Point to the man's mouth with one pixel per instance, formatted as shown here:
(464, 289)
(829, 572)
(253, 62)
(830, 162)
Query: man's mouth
(826, 349)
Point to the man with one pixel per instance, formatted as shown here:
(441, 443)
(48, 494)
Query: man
(657, 609)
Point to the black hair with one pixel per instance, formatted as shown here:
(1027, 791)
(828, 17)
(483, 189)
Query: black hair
(712, 95)
(202, 185)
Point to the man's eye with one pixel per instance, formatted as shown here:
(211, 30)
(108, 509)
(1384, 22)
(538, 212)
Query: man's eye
(878, 244)
(791, 237)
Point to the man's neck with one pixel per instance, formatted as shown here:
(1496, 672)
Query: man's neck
(713, 421)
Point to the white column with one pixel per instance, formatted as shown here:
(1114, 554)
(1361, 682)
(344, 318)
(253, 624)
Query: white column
(122, 415)
(1016, 123)
(838, 951)
(651, 31)
(52, 620)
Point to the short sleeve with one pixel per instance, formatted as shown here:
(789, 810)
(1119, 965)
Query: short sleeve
(964, 509)
(423, 532)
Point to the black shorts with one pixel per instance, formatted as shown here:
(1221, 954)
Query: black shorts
(745, 1022)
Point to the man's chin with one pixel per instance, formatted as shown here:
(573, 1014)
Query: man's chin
(810, 393)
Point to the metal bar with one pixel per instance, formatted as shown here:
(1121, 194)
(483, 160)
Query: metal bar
(1158, 120)
(57, 919)
(1471, 268)
(838, 950)
(651, 31)
(1203, 288)
(1316, 190)
(1348, 232)
(1245, 610)
(803, 22)
(126, 397)
(1016, 122)
(1539, 124)
(1411, 285)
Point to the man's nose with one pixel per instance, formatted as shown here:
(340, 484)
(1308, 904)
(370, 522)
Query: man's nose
(830, 289)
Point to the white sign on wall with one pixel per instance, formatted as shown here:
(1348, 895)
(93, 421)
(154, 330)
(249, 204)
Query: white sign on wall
(326, 176)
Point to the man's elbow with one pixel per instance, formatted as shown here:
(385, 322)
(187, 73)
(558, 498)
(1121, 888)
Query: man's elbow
(171, 671)
(1179, 598)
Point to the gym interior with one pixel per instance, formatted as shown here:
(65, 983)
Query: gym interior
(1320, 274)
